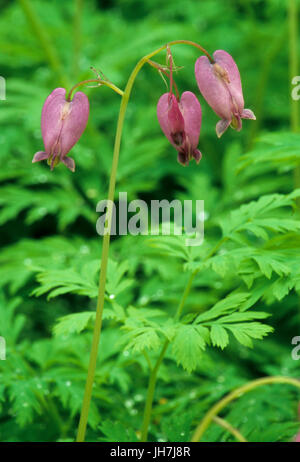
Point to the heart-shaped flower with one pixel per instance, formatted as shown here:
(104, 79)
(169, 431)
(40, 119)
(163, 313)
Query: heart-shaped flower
(181, 123)
(62, 123)
(220, 84)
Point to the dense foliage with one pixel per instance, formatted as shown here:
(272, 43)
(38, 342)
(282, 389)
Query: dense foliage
(243, 308)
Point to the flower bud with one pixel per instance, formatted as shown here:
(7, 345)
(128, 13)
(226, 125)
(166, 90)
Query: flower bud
(62, 123)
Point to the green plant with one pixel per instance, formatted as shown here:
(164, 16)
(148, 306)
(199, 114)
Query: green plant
(240, 285)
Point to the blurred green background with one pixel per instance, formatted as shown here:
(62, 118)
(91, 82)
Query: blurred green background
(48, 218)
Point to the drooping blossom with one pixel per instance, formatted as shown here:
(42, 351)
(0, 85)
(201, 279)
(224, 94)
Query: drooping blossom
(220, 84)
(181, 123)
(62, 123)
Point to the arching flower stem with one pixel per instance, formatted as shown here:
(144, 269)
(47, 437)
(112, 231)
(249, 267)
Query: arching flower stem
(238, 392)
(99, 81)
(106, 237)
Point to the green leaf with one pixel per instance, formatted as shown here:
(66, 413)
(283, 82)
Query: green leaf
(222, 307)
(25, 402)
(117, 432)
(188, 345)
(245, 332)
(73, 323)
(219, 336)
(253, 217)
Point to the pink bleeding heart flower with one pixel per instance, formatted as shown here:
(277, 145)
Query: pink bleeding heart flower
(181, 123)
(62, 123)
(220, 84)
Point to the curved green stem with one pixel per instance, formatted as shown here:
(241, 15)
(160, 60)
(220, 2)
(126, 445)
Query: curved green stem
(106, 242)
(227, 426)
(99, 81)
(205, 422)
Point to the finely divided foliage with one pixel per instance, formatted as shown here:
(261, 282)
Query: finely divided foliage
(242, 307)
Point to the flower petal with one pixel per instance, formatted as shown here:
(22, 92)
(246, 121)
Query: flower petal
(248, 114)
(222, 126)
(176, 121)
(51, 122)
(197, 155)
(226, 61)
(69, 162)
(192, 114)
(213, 89)
(183, 158)
(40, 155)
(163, 117)
(74, 122)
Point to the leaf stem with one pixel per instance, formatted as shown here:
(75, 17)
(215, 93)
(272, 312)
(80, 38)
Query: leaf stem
(150, 393)
(153, 375)
(146, 356)
(185, 294)
(237, 393)
(105, 249)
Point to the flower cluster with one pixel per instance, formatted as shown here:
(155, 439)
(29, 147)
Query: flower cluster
(63, 120)
(220, 84)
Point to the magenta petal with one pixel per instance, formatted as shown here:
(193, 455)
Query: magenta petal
(40, 155)
(163, 117)
(197, 155)
(192, 114)
(212, 88)
(226, 61)
(69, 162)
(51, 122)
(176, 121)
(75, 121)
(222, 126)
(184, 116)
(248, 114)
